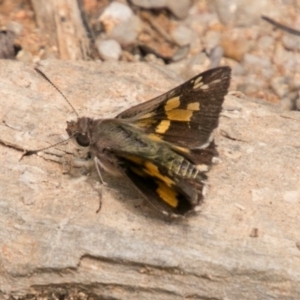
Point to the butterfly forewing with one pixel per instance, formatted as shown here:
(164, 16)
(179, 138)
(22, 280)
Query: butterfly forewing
(186, 115)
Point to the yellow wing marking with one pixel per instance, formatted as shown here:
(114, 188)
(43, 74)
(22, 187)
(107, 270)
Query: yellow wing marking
(163, 126)
(152, 170)
(195, 106)
(179, 115)
(167, 194)
(172, 103)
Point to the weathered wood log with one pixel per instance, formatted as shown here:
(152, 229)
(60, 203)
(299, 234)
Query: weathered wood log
(244, 244)
(62, 24)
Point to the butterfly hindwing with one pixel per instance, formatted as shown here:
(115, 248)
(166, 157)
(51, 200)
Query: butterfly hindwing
(167, 191)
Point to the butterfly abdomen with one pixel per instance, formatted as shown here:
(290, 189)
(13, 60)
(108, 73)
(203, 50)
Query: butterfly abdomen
(183, 168)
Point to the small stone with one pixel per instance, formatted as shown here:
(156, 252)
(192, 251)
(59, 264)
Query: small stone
(240, 12)
(191, 66)
(215, 56)
(179, 9)
(291, 42)
(265, 42)
(7, 50)
(181, 53)
(109, 49)
(259, 65)
(15, 27)
(211, 40)
(250, 86)
(24, 56)
(280, 54)
(126, 32)
(47, 53)
(151, 58)
(114, 14)
(182, 35)
(235, 45)
(280, 85)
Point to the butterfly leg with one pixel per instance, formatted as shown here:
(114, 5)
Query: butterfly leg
(97, 163)
(102, 182)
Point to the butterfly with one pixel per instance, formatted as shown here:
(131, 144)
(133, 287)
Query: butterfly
(164, 146)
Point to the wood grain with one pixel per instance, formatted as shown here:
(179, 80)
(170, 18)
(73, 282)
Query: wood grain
(61, 22)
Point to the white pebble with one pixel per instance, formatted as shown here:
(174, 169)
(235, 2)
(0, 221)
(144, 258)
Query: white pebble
(109, 49)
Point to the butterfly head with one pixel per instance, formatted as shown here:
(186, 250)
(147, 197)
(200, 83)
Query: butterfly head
(80, 131)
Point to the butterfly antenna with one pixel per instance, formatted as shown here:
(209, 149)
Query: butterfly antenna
(31, 152)
(44, 75)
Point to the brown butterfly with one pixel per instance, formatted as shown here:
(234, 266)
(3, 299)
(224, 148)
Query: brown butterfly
(165, 145)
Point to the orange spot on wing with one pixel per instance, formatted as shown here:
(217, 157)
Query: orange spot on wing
(167, 194)
(180, 115)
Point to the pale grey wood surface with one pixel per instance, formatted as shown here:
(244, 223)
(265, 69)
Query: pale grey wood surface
(51, 235)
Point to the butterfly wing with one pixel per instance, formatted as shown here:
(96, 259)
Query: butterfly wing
(164, 145)
(169, 192)
(179, 198)
(186, 115)
(171, 178)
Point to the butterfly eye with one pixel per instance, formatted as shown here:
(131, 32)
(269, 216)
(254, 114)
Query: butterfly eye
(83, 140)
